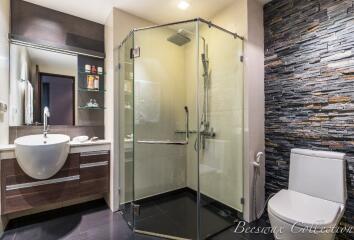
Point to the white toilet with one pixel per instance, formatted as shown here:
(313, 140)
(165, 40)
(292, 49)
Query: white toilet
(315, 200)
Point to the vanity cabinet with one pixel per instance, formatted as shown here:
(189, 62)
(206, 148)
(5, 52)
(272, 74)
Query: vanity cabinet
(83, 175)
(94, 173)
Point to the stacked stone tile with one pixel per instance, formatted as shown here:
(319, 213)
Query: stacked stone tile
(309, 85)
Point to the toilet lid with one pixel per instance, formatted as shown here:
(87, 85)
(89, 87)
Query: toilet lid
(304, 210)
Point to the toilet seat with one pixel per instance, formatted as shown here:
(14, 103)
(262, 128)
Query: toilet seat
(305, 210)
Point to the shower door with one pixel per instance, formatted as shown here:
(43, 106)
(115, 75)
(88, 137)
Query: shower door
(220, 92)
(165, 104)
(182, 118)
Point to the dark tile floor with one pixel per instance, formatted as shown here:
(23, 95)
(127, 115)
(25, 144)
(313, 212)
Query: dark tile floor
(230, 234)
(95, 221)
(89, 221)
(176, 215)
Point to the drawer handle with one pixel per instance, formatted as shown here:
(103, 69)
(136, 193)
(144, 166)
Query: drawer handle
(95, 153)
(95, 164)
(40, 183)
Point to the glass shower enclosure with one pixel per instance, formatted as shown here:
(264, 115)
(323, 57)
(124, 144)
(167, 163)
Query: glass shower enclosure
(181, 114)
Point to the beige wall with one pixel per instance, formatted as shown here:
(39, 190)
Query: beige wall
(4, 68)
(254, 102)
(117, 27)
(233, 17)
(49, 68)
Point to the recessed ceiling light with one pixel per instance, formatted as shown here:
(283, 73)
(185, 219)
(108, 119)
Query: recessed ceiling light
(183, 5)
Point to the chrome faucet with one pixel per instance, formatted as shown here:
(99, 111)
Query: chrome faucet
(46, 115)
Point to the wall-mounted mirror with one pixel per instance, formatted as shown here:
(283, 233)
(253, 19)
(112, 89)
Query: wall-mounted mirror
(40, 78)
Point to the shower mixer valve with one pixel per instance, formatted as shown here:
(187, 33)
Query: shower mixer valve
(206, 133)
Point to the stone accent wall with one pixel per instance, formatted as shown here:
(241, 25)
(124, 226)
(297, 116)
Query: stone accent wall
(309, 85)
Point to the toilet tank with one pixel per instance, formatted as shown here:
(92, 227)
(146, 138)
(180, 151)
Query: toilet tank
(319, 174)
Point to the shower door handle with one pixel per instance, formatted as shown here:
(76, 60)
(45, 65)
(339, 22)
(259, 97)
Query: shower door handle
(170, 142)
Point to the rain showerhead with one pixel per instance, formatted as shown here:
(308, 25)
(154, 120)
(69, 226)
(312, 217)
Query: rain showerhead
(179, 38)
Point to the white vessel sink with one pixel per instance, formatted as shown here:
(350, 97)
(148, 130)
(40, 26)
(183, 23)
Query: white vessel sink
(40, 157)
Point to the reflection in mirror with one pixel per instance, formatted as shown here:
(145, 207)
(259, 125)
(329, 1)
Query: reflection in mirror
(41, 78)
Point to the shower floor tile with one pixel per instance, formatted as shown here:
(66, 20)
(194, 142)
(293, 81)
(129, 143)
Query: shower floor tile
(178, 217)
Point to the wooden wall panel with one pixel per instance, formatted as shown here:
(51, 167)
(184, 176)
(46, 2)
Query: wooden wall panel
(40, 25)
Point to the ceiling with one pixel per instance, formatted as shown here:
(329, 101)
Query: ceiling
(157, 11)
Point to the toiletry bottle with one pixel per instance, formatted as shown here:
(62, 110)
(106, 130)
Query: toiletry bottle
(90, 81)
(97, 82)
(100, 70)
(93, 69)
(88, 68)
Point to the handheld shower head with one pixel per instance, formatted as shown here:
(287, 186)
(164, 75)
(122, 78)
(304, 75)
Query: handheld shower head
(205, 62)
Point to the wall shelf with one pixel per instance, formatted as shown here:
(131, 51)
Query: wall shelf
(91, 90)
(93, 74)
(91, 108)
(90, 115)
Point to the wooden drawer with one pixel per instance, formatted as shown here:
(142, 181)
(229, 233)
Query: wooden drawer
(94, 173)
(94, 187)
(83, 174)
(27, 198)
(94, 157)
(21, 192)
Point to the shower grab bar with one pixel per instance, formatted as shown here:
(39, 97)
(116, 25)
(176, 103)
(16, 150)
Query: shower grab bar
(170, 142)
(184, 132)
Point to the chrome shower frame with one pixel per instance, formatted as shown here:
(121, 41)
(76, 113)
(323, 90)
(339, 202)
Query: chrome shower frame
(204, 130)
(210, 24)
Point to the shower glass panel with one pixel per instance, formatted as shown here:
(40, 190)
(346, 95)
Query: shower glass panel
(165, 102)
(126, 106)
(220, 92)
(181, 159)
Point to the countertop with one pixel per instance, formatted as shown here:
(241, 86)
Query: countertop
(89, 143)
(7, 150)
(7, 147)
